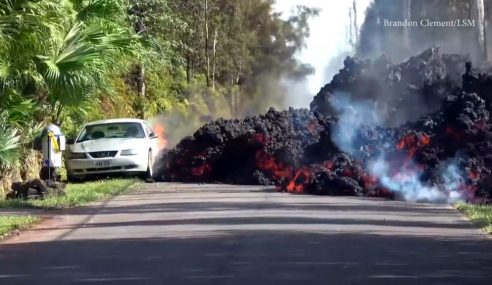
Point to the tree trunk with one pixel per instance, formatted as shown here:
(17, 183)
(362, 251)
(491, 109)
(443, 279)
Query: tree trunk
(233, 102)
(213, 59)
(351, 41)
(481, 28)
(356, 26)
(141, 81)
(140, 28)
(485, 38)
(58, 118)
(188, 69)
(141, 91)
(207, 57)
(407, 14)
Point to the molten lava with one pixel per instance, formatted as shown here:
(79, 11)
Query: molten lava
(412, 143)
(266, 162)
(302, 177)
(160, 131)
(201, 170)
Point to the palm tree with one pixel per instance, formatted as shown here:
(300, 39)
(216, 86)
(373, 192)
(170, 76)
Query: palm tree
(53, 54)
(78, 61)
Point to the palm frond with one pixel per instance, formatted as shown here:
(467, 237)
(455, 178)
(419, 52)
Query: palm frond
(99, 9)
(9, 142)
(79, 63)
(17, 109)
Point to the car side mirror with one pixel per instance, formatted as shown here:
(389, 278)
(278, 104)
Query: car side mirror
(70, 141)
(153, 136)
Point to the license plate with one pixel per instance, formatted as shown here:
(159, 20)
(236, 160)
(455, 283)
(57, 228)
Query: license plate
(104, 163)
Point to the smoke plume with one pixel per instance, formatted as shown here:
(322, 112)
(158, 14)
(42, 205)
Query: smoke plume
(404, 179)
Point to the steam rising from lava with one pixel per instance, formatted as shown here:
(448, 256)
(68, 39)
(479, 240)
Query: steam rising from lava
(353, 115)
(407, 182)
(400, 174)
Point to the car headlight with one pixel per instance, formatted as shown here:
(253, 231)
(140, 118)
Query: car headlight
(128, 152)
(77, 155)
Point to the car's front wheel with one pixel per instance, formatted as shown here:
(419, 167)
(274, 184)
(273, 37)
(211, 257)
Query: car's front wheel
(149, 174)
(74, 179)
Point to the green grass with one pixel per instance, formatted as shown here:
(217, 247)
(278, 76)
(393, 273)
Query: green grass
(76, 195)
(480, 214)
(9, 224)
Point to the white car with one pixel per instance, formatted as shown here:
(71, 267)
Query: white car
(112, 146)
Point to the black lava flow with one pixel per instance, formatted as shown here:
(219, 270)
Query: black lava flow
(294, 150)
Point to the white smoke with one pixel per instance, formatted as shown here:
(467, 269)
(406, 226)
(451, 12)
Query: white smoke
(327, 45)
(353, 115)
(404, 179)
(407, 182)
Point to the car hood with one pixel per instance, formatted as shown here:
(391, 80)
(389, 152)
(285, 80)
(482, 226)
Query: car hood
(107, 145)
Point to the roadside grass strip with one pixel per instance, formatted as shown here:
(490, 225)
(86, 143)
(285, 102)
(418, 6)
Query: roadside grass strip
(9, 224)
(75, 195)
(479, 214)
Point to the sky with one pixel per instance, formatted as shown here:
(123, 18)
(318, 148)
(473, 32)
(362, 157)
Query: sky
(328, 38)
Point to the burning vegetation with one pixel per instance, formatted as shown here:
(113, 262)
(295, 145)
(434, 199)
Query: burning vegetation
(419, 130)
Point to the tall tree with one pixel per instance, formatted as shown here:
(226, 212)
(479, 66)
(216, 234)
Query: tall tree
(480, 8)
(53, 54)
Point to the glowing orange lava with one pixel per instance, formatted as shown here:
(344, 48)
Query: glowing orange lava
(302, 177)
(266, 162)
(160, 131)
(412, 142)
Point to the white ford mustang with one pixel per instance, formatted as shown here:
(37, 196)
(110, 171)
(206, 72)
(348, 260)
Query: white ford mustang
(112, 146)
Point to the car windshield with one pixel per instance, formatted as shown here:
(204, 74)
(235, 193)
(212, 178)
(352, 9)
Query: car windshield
(112, 130)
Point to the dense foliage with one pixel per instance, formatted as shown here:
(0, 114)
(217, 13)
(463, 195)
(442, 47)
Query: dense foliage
(71, 61)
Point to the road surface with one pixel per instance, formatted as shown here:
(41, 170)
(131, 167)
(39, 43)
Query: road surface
(220, 234)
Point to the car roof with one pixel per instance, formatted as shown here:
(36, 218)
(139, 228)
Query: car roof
(123, 120)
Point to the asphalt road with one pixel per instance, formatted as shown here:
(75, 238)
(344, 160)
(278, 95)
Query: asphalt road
(220, 234)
